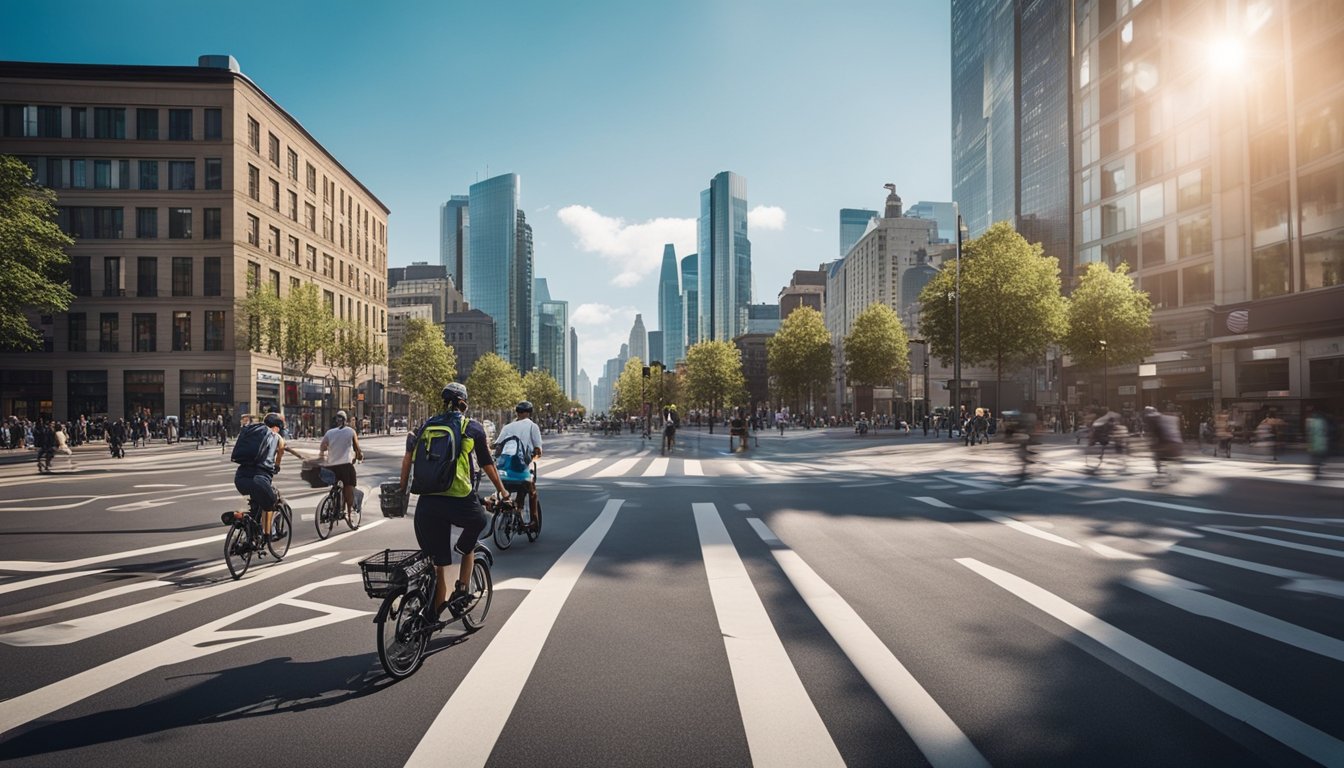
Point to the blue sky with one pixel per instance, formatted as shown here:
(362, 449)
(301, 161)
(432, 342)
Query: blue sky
(615, 114)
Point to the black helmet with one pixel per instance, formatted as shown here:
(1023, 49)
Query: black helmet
(274, 420)
(523, 407)
(454, 393)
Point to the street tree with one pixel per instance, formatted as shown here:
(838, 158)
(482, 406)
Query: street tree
(295, 329)
(1107, 307)
(664, 387)
(543, 390)
(713, 376)
(354, 351)
(1011, 307)
(495, 386)
(426, 364)
(32, 256)
(798, 356)
(630, 389)
(877, 350)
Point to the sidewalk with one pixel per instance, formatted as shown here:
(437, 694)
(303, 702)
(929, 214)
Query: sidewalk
(98, 449)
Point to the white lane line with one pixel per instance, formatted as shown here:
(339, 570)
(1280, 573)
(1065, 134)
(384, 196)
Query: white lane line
(1298, 580)
(1312, 534)
(1276, 542)
(40, 566)
(124, 589)
(1109, 552)
(932, 502)
(1027, 528)
(162, 485)
(39, 581)
(762, 470)
(782, 725)
(1315, 744)
(578, 466)
(942, 487)
(1204, 511)
(193, 644)
(518, 582)
(299, 550)
(933, 731)
(618, 468)
(742, 507)
(489, 692)
(1190, 597)
(692, 468)
(657, 468)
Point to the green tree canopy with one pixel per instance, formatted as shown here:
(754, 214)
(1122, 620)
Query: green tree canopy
(798, 356)
(426, 364)
(495, 386)
(628, 397)
(877, 351)
(32, 256)
(354, 351)
(541, 388)
(713, 376)
(295, 328)
(1011, 307)
(1106, 306)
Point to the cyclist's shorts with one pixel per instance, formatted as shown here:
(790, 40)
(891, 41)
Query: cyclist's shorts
(256, 485)
(670, 430)
(435, 517)
(345, 473)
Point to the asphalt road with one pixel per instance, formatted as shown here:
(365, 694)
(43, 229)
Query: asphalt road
(821, 599)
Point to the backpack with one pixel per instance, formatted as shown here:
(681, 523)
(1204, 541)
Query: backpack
(438, 448)
(250, 448)
(515, 464)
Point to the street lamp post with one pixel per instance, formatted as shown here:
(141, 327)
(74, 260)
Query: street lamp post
(1105, 388)
(956, 354)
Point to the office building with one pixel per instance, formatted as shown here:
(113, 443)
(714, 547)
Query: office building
(638, 346)
(583, 391)
(471, 334)
(429, 285)
(725, 257)
(853, 223)
(807, 288)
(669, 311)
(183, 186)
(454, 234)
(499, 265)
(553, 341)
(690, 302)
(655, 343)
(760, 319)
(944, 214)
(573, 375)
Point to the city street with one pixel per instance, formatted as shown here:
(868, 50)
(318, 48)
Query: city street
(821, 599)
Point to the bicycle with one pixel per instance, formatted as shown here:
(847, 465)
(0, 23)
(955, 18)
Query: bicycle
(405, 581)
(245, 538)
(329, 509)
(44, 457)
(507, 520)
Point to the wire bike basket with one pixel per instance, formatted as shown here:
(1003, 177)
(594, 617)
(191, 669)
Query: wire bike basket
(392, 569)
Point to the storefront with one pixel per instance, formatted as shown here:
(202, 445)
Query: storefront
(86, 394)
(206, 394)
(144, 394)
(25, 394)
(268, 392)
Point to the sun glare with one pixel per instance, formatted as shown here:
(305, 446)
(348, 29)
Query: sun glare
(1227, 56)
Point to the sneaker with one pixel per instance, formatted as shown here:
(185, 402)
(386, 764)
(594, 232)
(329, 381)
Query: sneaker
(459, 602)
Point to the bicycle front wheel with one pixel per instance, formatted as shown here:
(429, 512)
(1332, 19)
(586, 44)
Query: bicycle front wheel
(355, 515)
(482, 590)
(325, 519)
(282, 531)
(237, 551)
(504, 529)
(401, 633)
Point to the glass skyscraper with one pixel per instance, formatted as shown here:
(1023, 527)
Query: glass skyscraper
(690, 301)
(498, 265)
(553, 340)
(853, 222)
(725, 257)
(983, 115)
(454, 228)
(669, 311)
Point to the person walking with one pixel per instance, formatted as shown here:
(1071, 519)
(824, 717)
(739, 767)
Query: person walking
(1318, 440)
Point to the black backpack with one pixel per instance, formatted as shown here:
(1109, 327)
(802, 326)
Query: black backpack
(438, 447)
(250, 448)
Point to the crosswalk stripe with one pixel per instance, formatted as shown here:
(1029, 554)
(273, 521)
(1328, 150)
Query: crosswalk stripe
(729, 467)
(44, 580)
(487, 695)
(782, 725)
(1276, 542)
(1312, 534)
(566, 471)
(657, 468)
(692, 468)
(618, 468)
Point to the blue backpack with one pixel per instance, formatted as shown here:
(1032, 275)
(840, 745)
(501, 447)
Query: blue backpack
(515, 461)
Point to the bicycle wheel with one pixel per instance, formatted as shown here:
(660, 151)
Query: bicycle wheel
(354, 516)
(327, 512)
(283, 531)
(505, 528)
(534, 530)
(237, 550)
(401, 633)
(482, 590)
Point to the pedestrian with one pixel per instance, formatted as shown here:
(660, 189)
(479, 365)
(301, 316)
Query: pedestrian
(1222, 433)
(63, 444)
(1318, 439)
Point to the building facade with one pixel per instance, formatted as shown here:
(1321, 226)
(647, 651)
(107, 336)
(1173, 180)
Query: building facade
(583, 391)
(724, 270)
(638, 346)
(183, 186)
(853, 223)
(499, 265)
(454, 234)
(690, 300)
(471, 334)
(807, 288)
(553, 341)
(669, 310)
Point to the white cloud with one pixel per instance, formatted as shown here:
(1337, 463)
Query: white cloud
(634, 251)
(766, 217)
(602, 330)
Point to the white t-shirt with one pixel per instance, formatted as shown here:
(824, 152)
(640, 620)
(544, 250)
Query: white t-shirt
(527, 432)
(340, 446)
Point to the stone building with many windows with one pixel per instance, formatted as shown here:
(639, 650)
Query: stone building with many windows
(182, 186)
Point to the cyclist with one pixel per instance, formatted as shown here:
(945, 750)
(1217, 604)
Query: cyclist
(529, 436)
(337, 446)
(437, 513)
(670, 423)
(253, 479)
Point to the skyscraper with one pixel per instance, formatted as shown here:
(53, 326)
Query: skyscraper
(690, 302)
(454, 224)
(572, 377)
(725, 256)
(553, 340)
(639, 340)
(983, 115)
(655, 344)
(853, 222)
(499, 265)
(583, 390)
(669, 310)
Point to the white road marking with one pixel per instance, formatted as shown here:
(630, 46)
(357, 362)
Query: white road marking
(574, 468)
(162, 485)
(489, 692)
(1205, 511)
(730, 468)
(117, 591)
(618, 468)
(1027, 528)
(1298, 580)
(518, 582)
(1190, 597)
(782, 725)
(933, 731)
(40, 566)
(742, 507)
(1276, 542)
(39, 581)
(692, 468)
(932, 502)
(1312, 534)
(657, 468)
(1315, 744)
(1107, 551)
(193, 644)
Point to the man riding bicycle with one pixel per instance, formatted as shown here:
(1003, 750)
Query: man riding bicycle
(437, 513)
(253, 478)
(528, 435)
(670, 423)
(340, 447)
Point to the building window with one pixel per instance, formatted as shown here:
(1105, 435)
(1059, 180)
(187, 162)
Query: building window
(1193, 189)
(275, 195)
(312, 258)
(274, 149)
(149, 174)
(328, 265)
(1154, 243)
(253, 276)
(144, 332)
(253, 134)
(214, 173)
(293, 206)
(312, 178)
(81, 283)
(253, 230)
(273, 242)
(79, 123)
(293, 158)
(77, 337)
(1123, 252)
(109, 333)
(1323, 260)
(212, 275)
(275, 283)
(181, 275)
(294, 250)
(1197, 284)
(179, 125)
(1321, 196)
(1194, 236)
(254, 182)
(181, 174)
(147, 222)
(123, 178)
(1271, 271)
(310, 217)
(109, 123)
(179, 223)
(214, 330)
(112, 276)
(214, 124)
(181, 331)
(79, 178)
(146, 276)
(102, 174)
(329, 300)
(213, 224)
(107, 223)
(294, 284)
(147, 124)
(1161, 289)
